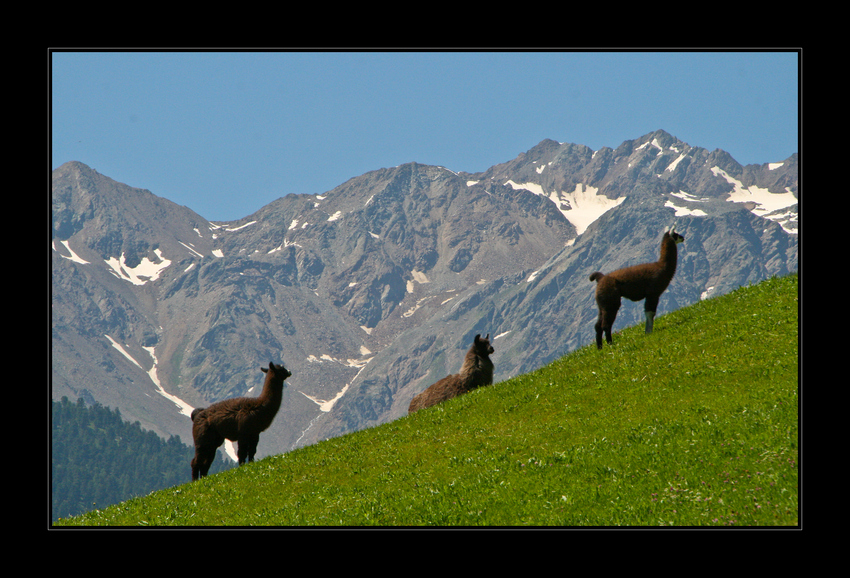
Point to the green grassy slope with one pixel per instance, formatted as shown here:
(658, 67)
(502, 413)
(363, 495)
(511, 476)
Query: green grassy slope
(695, 424)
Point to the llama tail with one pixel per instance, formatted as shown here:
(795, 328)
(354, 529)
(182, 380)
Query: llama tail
(597, 276)
(196, 411)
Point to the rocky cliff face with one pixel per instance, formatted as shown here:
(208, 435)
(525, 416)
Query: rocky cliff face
(374, 290)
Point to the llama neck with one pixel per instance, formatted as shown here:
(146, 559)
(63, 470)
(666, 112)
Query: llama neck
(272, 393)
(668, 254)
(476, 367)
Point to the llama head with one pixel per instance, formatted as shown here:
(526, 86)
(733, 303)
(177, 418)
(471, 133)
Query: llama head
(482, 345)
(677, 238)
(277, 370)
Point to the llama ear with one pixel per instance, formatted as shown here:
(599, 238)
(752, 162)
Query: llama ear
(477, 337)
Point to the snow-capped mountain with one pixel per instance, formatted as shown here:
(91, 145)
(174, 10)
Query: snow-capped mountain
(374, 290)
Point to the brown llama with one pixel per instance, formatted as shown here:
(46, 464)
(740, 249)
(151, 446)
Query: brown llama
(646, 281)
(476, 371)
(240, 419)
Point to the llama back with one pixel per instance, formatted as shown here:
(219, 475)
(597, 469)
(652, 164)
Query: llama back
(229, 416)
(445, 389)
(649, 279)
(476, 371)
(636, 282)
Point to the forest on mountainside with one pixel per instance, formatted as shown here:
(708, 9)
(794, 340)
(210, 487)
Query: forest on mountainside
(99, 459)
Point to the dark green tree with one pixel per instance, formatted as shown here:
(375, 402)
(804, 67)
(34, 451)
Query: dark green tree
(98, 459)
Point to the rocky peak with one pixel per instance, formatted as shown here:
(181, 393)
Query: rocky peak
(372, 291)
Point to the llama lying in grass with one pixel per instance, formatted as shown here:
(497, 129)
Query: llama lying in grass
(646, 281)
(477, 370)
(240, 419)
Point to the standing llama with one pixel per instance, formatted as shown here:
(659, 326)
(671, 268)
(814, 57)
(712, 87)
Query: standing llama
(477, 370)
(646, 281)
(240, 419)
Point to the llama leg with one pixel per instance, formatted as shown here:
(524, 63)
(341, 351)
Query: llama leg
(252, 446)
(196, 471)
(208, 460)
(603, 325)
(610, 316)
(650, 317)
(649, 308)
(202, 461)
(207, 441)
(247, 447)
(241, 452)
(598, 328)
(606, 320)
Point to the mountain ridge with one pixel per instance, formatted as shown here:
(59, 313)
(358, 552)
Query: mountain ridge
(374, 289)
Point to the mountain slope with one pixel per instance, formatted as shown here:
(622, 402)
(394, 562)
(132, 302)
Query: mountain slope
(696, 425)
(537, 315)
(374, 290)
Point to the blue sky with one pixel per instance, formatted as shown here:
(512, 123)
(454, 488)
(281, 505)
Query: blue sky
(225, 133)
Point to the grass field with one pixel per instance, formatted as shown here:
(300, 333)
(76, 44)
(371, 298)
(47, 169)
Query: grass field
(693, 425)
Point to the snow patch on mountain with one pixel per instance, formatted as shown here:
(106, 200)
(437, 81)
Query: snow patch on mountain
(762, 202)
(190, 248)
(326, 405)
(419, 277)
(581, 207)
(183, 407)
(145, 271)
(285, 244)
(418, 304)
(684, 211)
(346, 362)
(653, 143)
(240, 227)
(74, 257)
(672, 166)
